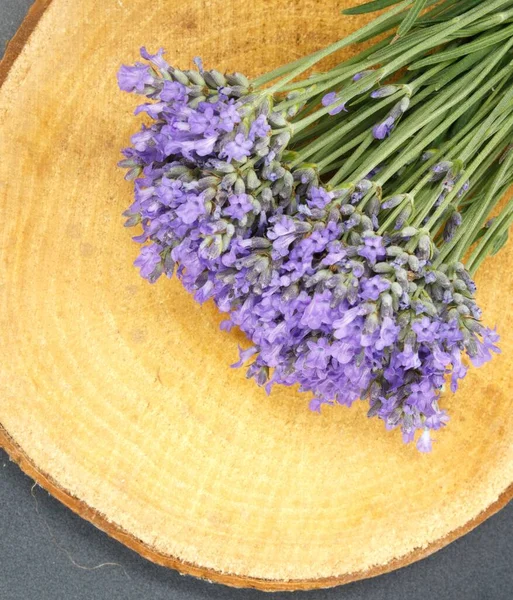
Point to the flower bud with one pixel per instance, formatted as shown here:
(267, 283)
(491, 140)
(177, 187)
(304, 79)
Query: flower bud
(366, 223)
(383, 267)
(451, 226)
(265, 107)
(206, 182)
(371, 323)
(127, 163)
(442, 279)
(176, 171)
(440, 169)
(385, 91)
(424, 247)
(280, 141)
(211, 247)
(347, 209)
(290, 293)
(305, 175)
(394, 418)
(372, 207)
(195, 78)
(400, 108)
(409, 232)
(392, 201)
(238, 79)
(404, 215)
(239, 187)
(460, 285)
(209, 194)
(252, 181)
(413, 263)
(180, 76)
(228, 181)
(214, 79)
(364, 185)
(394, 251)
(386, 305)
(194, 103)
(132, 220)
(276, 119)
(235, 90)
(396, 289)
(317, 277)
(355, 239)
(374, 409)
(339, 293)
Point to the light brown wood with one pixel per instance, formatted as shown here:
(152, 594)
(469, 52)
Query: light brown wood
(118, 397)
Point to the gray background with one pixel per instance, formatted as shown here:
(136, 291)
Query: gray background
(47, 552)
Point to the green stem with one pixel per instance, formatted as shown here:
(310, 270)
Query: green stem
(441, 104)
(491, 147)
(467, 231)
(356, 36)
(345, 169)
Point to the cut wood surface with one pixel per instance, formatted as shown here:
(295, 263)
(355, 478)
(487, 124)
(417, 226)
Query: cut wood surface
(117, 396)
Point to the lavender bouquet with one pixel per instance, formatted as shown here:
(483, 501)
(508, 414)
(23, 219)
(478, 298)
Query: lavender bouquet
(338, 219)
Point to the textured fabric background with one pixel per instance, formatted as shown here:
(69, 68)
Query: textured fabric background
(48, 552)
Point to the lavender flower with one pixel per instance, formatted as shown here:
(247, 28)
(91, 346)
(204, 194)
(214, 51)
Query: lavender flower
(332, 98)
(239, 206)
(134, 78)
(383, 129)
(327, 303)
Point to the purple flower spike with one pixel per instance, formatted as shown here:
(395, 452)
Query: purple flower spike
(329, 98)
(373, 248)
(316, 404)
(199, 63)
(239, 206)
(148, 259)
(157, 59)
(332, 98)
(318, 197)
(134, 79)
(238, 149)
(317, 312)
(372, 288)
(382, 130)
(424, 442)
(425, 329)
(173, 91)
(191, 209)
(486, 347)
(259, 128)
(385, 91)
(244, 356)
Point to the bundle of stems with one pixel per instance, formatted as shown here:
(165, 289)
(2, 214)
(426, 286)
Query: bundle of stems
(460, 110)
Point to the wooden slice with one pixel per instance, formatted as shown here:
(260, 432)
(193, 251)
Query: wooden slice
(117, 396)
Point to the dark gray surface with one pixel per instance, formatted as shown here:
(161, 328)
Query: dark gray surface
(47, 552)
(11, 15)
